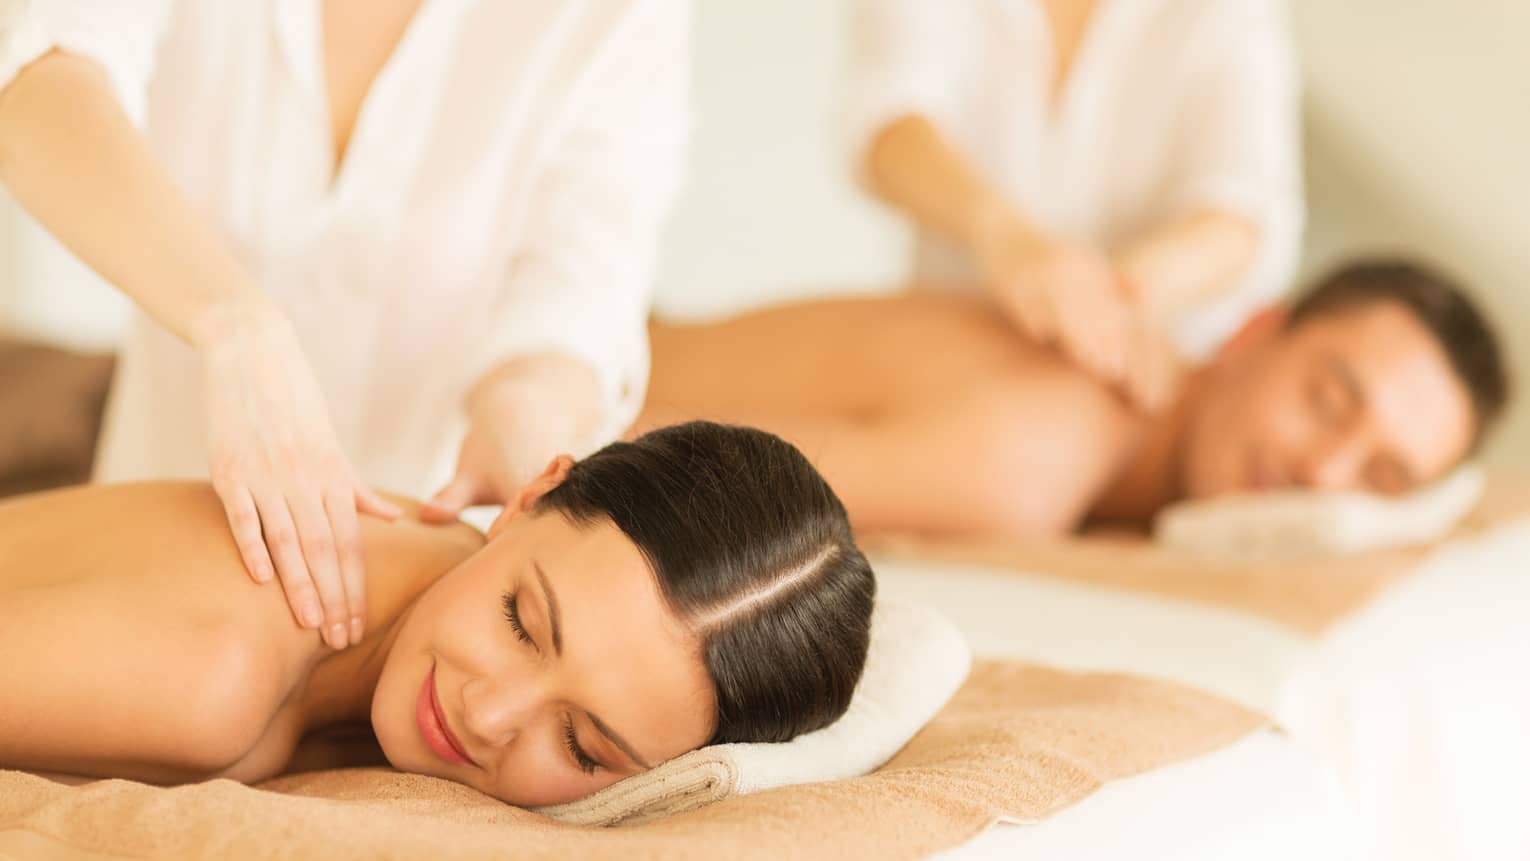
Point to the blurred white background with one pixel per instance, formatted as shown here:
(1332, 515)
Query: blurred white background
(1418, 129)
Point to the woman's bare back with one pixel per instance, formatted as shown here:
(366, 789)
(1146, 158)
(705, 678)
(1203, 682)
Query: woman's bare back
(133, 644)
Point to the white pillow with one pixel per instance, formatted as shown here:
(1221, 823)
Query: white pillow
(1306, 525)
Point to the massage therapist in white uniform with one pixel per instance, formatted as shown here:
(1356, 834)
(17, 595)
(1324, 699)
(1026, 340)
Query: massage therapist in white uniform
(1121, 176)
(403, 244)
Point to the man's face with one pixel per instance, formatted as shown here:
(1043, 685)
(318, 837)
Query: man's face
(1360, 398)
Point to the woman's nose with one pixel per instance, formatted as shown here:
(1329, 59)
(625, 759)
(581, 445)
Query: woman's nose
(495, 709)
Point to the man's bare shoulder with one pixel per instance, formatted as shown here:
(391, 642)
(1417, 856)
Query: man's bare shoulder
(1053, 438)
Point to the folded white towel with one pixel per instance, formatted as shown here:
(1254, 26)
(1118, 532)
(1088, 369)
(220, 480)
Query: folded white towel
(1304, 525)
(916, 662)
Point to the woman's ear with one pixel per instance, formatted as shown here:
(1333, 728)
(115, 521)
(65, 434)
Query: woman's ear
(526, 498)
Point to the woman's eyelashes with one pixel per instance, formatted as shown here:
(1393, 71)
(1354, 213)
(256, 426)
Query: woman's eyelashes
(571, 741)
(584, 762)
(511, 601)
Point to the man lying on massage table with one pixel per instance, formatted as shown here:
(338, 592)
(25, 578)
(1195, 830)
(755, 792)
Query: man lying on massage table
(698, 585)
(928, 413)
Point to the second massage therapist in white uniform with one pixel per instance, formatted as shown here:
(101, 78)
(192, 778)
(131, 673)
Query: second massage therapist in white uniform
(402, 243)
(1119, 174)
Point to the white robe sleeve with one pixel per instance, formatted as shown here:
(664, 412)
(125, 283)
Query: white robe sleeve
(581, 284)
(1239, 144)
(121, 36)
(1240, 152)
(906, 57)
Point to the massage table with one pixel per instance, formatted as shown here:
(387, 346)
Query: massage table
(1415, 697)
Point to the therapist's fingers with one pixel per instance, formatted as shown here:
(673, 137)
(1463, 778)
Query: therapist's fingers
(340, 503)
(368, 501)
(1093, 334)
(281, 539)
(1028, 309)
(449, 503)
(244, 521)
(320, 547)
(1155, 369)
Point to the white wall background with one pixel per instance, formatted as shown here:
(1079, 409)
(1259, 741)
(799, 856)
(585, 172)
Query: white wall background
(1418, 140)
(770, 211)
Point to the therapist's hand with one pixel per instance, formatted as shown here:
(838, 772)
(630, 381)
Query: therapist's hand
(1154, 367)
(1060, 293)
(520, 417)
(289, 492)
(490, 469)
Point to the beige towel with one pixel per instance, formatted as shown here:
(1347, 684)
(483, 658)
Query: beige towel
(1017, 742)
(917, 660)
(1309, 597)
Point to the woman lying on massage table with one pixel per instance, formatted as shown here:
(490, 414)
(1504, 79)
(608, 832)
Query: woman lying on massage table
(698, 585)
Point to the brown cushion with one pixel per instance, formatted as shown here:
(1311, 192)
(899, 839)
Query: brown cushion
(51, 401)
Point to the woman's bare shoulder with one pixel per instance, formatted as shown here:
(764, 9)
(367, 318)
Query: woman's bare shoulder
(175, 528)
(135, 639)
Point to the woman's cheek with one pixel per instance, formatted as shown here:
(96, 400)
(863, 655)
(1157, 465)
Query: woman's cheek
(529, 779)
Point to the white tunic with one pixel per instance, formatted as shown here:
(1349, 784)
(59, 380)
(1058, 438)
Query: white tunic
(1171, 106)
(501, 195)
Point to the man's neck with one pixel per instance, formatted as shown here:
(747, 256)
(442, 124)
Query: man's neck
(1151, 479)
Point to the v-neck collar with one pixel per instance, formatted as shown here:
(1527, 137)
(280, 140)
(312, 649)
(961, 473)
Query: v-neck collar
(1060, 98)
(300, 31)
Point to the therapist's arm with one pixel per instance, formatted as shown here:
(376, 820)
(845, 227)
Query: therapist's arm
(1057, 291)
(911, 165)
(566, 365)
(522, 414)
(1188, 260)
(1175, 264)
(73, 159)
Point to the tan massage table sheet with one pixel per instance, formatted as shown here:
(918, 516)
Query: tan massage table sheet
(1018, 742)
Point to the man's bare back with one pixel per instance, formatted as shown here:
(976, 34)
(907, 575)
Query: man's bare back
(929, 413)
(925, 411)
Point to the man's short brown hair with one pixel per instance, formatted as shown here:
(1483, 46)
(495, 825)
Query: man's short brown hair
(1441, 305)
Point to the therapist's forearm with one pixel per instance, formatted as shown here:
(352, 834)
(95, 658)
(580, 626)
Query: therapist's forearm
(912, 166)
(1187, 260)
(552, 396)
(72, 159)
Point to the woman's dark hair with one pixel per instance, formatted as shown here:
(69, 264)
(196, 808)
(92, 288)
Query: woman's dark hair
(753, 551)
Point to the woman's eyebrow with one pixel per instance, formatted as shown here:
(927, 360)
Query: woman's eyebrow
(552, 608)
(555, 623)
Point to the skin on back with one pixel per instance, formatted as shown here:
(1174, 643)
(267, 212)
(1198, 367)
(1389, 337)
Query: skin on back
(924, 411)
(194, 671)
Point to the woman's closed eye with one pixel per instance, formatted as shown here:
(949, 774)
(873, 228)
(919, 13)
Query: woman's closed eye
(582, 760)
(511, 601)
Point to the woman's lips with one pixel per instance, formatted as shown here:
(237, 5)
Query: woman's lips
(432, 723)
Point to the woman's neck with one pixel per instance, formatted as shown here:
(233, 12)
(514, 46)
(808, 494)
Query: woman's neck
(403, 558)
(339, 687)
